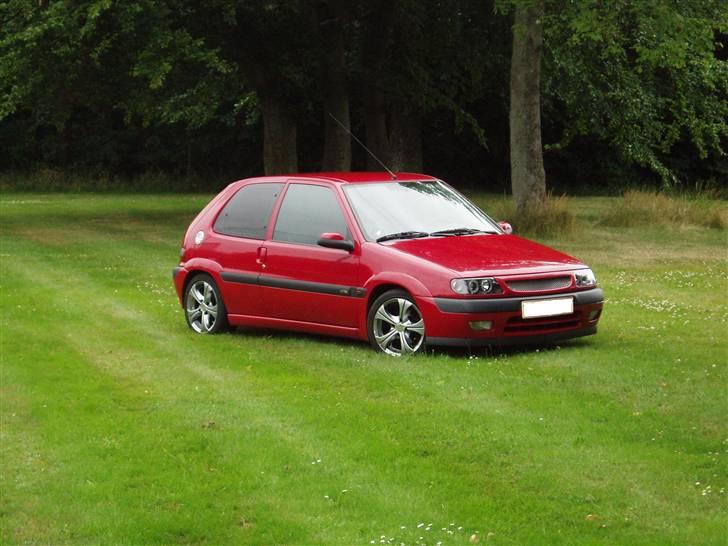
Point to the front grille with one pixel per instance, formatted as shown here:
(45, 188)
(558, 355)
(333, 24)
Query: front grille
(521, 325)
(538, 285)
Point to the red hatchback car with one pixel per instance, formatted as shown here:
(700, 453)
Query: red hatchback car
(404, 263)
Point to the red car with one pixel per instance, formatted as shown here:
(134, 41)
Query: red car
(403, 262)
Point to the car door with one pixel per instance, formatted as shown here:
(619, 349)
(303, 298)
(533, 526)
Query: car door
(239, 233)
(302, 281)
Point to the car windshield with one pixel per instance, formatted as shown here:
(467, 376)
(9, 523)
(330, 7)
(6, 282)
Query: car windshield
(414, 209)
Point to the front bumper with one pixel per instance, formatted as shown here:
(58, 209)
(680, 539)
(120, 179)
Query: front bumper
(498, 305)
(448, 320)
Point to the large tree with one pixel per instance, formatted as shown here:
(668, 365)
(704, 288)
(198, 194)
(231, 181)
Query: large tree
(263, 44)
(528, 179)
(390, 52)
(331, 17)
(238, 88)
(645, 78)
(419, 59)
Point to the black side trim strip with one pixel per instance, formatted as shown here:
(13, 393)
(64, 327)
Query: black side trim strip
(242, 278)
(176, 271)
(497, 305)
(291, 284)
(520, 340)
(305, 286)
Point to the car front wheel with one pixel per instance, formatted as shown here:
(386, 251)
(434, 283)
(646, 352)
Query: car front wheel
(395, 324)
(204, 308)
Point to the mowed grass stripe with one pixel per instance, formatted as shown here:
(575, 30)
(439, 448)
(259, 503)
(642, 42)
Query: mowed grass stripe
(100, 302)
(165, 443)
(159, 365)
(93, 296)
(416, 424)
(148, 291)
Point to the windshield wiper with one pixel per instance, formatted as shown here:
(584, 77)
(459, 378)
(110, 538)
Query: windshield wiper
(403, 235)
(457, 231)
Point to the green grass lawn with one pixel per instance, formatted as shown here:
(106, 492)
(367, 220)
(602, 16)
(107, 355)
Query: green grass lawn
(119, 426)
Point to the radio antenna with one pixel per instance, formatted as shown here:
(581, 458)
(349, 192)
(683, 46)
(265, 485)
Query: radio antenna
(352, 135)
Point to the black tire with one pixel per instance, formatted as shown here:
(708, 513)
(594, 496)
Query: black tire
(203, 305)
(395, 325)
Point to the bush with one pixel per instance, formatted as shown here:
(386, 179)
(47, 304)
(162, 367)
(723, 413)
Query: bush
(654, 208)
(552, 219)
(717, 218)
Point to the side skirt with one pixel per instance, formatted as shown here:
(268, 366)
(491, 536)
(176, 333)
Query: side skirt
(295, 325)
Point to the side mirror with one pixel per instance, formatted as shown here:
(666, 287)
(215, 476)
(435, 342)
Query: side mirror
(335, 240)
(506, 227)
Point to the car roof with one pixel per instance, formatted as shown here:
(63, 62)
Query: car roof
(364, 176)
(354, 177)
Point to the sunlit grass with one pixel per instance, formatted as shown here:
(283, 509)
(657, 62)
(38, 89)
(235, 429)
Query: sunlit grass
(644, 208)
(117, 425)
(554, 218)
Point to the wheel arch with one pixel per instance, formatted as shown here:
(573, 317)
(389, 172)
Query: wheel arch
(191, 274)
(381, 289)
(194, 267)
(379, 284)
(214, 310)
(379, 296)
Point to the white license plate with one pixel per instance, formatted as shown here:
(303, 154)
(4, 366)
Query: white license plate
(547, 308)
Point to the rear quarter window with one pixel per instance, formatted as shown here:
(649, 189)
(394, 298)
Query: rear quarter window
(248, 212)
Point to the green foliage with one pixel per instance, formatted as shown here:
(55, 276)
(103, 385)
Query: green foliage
(643, 76)
(124, 87)
(57, 56)
(76, 76)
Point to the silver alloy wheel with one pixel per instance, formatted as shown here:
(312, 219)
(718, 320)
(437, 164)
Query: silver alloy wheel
(398, 327)
(201, 307)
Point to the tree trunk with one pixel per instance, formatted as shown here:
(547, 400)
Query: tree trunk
(376, 42)
(279, 136)
(375, 120)
(528, 179)
(405, 140)
(337, 141)
(188, 169)
(396, 139)
(280, 155)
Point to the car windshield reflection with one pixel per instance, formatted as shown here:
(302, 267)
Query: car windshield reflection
(430, 207)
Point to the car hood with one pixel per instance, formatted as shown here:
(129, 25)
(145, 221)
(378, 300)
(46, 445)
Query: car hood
(473, 255)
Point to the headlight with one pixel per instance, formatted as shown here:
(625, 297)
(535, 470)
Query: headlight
(487, 285)
(584, 278)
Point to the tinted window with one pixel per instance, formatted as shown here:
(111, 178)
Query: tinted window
(306, 213)
(247, 213)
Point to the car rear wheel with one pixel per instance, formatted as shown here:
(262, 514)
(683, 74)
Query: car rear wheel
(204, 308)
(395, 324)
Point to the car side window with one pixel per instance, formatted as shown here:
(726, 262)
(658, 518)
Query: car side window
(248, 212)
(308, 211)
